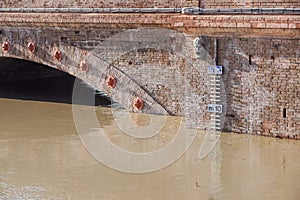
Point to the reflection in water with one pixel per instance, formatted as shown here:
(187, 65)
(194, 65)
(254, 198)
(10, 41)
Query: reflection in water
(41, 157)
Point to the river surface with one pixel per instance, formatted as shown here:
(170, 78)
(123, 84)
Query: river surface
(43, 158)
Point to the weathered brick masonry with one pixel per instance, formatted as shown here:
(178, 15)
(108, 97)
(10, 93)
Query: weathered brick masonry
(219, 25)
(150, 3)
(98, 3)
(260, 54)
(262, 78)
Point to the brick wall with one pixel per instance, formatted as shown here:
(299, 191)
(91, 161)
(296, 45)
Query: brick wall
(153, 3)
(262, 79)
(250, 3)
(99, 3)
(222, 25)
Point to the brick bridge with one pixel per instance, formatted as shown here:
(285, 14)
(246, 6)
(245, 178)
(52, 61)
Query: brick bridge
(156, 61)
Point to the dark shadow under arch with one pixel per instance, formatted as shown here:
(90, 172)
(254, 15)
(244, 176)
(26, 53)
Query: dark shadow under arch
(26, 80)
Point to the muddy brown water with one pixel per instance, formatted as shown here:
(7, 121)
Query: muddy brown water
(42, 157)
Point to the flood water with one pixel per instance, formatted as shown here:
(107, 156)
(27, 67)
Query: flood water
(42, 157)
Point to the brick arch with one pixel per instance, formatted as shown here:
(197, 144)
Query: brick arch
(152, 81)
(125, 91)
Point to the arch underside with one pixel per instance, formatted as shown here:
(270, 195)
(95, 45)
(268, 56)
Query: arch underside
(97, 80)
(26, 80)
(125, 91)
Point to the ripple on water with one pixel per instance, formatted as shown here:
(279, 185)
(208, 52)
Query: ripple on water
(28, 192)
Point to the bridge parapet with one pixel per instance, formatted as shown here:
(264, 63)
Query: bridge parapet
(217, 25)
